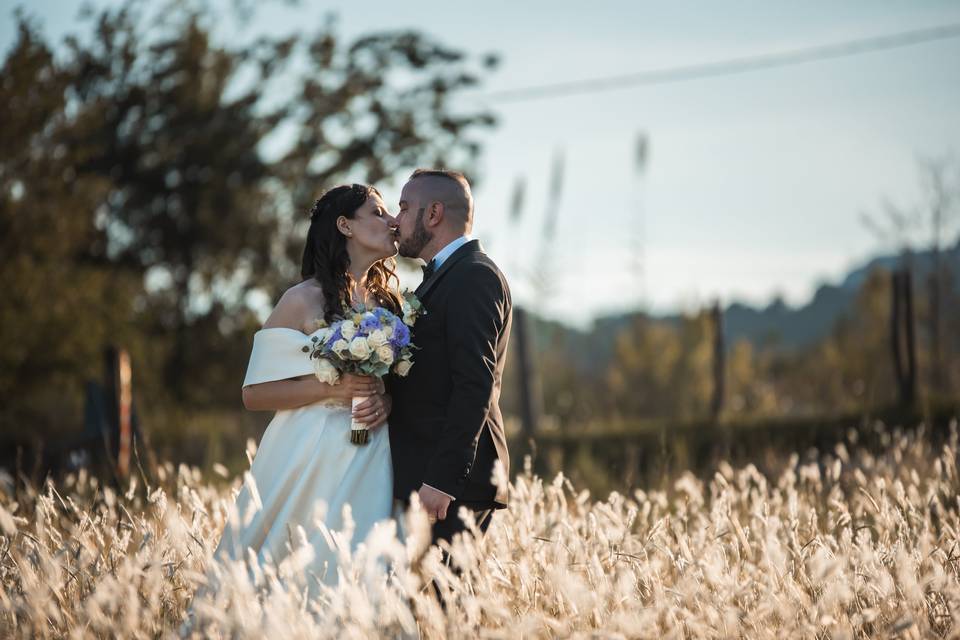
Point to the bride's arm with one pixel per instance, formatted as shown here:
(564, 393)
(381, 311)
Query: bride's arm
(298, 392)
(290, 312)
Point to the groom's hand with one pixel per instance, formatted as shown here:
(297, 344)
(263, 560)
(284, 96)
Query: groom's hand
(434, 502)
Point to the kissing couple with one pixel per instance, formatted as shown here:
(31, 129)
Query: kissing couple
(437, 431)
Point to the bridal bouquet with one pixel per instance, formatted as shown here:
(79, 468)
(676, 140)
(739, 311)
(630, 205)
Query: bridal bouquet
(366, 342)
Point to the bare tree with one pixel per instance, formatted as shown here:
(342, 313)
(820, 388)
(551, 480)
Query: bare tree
(901, 228)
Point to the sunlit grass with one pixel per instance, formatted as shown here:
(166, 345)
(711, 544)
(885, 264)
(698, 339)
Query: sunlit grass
(852, 545)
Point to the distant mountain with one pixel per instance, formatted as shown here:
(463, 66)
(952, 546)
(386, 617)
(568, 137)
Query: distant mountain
(789, 327)
(782, 325)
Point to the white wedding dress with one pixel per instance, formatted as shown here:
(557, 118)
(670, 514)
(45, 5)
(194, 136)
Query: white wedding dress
(304, 459)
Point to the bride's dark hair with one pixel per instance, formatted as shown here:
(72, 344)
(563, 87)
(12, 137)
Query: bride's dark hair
(325, 256)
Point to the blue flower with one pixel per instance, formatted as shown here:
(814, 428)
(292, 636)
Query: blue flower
(401, 334)
(332, 340)
(369, 323)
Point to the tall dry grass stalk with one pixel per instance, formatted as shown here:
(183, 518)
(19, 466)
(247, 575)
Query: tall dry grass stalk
(849, 545)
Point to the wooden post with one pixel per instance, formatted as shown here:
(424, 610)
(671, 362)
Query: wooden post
(124, 422)
(910, 397)
(937, 375)
(903, 337)
(895, 339)
(529, 389)
(716, 404)
(117, 410)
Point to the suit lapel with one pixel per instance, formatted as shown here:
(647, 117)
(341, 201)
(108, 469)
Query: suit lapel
(456, 256)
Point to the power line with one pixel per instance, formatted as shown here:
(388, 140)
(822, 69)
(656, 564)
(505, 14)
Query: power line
(731, 66)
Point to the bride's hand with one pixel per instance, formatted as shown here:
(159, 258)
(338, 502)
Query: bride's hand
(351, 386)
(374, 410)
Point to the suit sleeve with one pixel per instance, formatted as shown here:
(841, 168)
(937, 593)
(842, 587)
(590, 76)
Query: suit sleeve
(475, 319)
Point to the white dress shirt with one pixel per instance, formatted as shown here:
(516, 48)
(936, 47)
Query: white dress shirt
(448, 250)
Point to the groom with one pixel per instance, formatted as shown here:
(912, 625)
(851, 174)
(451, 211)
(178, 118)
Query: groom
(446, 430)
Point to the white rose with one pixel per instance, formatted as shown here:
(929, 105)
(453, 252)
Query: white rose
(403, 368)
(409, 318)
(388, 331)
(348, 329)
(377, 339)
(325, 371)
(385, 353)
(340, 346)
(359, 348)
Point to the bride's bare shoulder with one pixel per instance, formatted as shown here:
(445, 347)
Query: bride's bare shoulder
(298, 307)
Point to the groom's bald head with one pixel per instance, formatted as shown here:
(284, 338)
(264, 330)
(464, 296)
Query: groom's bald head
(448, 187)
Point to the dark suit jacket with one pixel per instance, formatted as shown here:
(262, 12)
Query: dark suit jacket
(446, 429)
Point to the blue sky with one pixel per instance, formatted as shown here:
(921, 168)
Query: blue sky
(756, 182)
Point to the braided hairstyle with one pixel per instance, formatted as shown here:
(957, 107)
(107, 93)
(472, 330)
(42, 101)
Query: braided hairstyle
(326, 260)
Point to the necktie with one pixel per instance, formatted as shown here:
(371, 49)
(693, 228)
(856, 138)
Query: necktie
(429, 269)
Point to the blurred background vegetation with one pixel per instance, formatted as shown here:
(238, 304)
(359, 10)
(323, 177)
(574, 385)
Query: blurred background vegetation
(139, 211)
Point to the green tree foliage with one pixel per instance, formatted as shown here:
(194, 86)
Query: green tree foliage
(60, 306)
(662, 369)
(646, 369)
(153, 178)
(851, 369)
(659, 370)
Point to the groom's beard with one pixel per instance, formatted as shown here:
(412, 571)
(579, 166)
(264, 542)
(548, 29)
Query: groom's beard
(412, 247)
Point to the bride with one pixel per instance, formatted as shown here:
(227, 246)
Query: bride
(305, 457)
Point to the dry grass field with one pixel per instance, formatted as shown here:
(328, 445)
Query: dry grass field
(848, 545)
